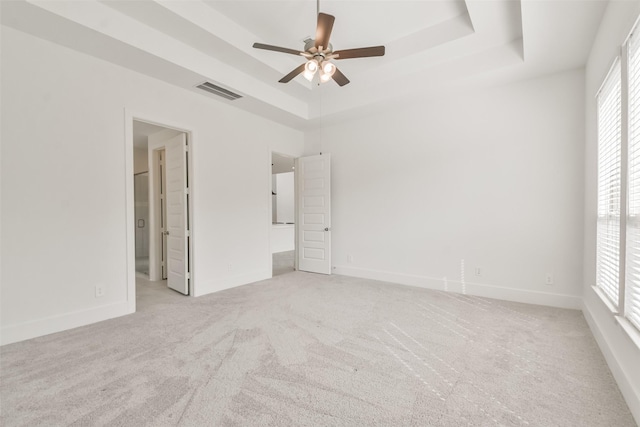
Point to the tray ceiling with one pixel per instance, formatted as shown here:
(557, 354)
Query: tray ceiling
(432, 46)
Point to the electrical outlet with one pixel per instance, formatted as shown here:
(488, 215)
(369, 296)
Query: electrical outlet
(99, 291)
(548, 279)
(478, 271)
(349, 259)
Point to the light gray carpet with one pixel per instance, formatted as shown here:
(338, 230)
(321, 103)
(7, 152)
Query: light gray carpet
(310, 350)
(283, 262)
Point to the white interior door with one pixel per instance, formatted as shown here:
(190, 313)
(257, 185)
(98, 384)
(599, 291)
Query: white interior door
(176, 221)
(314, 213)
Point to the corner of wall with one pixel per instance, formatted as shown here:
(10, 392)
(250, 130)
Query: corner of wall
(229, 282)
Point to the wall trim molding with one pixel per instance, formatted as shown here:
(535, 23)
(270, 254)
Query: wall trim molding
(631, 396)
(469, 288)
(49, 325)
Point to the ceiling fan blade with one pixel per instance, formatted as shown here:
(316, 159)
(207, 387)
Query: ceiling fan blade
(340, 78)
(362, 52)
(276, 48)
(323, 30)
(291, 75)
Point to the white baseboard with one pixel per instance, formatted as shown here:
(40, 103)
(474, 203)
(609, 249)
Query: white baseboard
(228, 282)
(630, 394)
(49, 325)
(470, 288)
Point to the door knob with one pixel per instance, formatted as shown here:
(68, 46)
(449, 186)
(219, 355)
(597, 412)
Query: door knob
(326, 229)
(166, 233)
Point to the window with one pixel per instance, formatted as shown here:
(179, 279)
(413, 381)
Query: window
(632, 282)
(618, 223)
(609, 185)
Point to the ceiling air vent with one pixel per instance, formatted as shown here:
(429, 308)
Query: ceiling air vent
(220, 91)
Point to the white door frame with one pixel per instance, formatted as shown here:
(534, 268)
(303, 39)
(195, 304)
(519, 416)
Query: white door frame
(129, 117)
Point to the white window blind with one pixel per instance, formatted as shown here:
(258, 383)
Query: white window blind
(632, 283)
(609, 145)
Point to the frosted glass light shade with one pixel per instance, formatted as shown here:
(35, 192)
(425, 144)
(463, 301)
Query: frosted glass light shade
(326, 71)
(310, 69)
(328, 68)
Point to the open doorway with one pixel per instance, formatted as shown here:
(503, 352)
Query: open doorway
(282, 214)
(141, 131)
(141, 197)
(161, 213)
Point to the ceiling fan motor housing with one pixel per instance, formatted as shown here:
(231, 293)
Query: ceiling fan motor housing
(312, 43)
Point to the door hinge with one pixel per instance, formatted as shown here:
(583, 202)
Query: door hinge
(188, 276)
(188, 233)
(186, 190)
(186, 147)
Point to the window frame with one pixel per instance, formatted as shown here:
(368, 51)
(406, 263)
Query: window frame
(631, 222)
(612, 304)
(619, 308)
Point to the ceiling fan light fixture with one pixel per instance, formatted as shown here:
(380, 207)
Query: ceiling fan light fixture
(310, 69)
(319, 52)
(324, 77)
(312, 66)
(307, 75)
(328, 68)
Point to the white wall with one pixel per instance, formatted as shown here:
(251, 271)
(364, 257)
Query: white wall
(491, 179)
(283, 238)
(63, 185)
(274, 198)
(140, 160)
(285, 198)
(622, 355)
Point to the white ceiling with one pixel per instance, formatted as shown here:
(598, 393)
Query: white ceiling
(432, 46)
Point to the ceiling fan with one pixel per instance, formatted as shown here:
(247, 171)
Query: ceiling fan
(319, 53)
